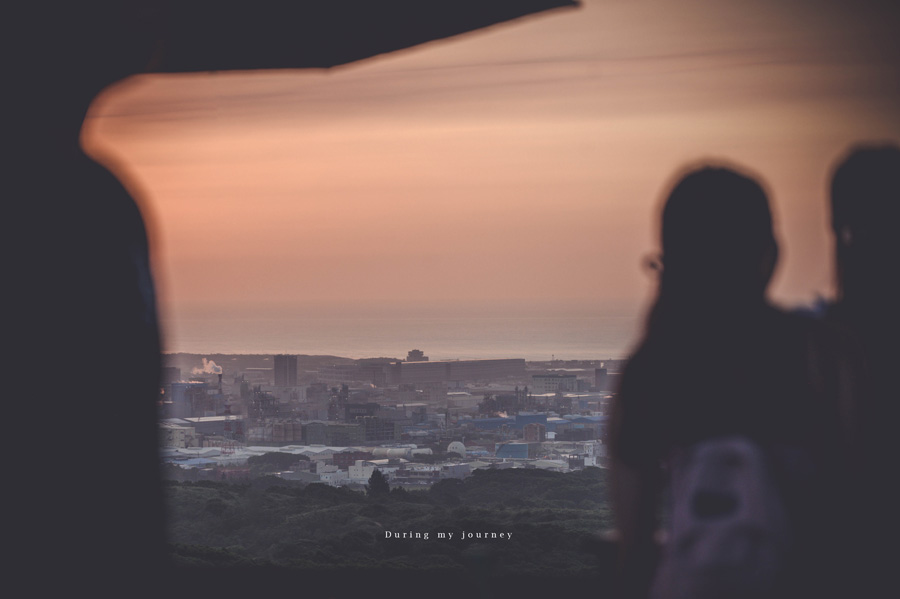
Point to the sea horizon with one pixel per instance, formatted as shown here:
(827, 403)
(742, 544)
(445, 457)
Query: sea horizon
(449, 337)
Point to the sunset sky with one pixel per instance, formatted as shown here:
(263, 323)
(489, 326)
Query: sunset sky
(520, 167)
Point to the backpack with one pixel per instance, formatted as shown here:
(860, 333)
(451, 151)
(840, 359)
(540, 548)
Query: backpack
(729, 530)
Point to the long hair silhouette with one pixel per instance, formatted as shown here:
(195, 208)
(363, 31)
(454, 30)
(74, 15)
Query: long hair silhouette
(717, 360)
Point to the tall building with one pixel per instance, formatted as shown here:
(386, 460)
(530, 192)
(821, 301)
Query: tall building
(285, 371)
(601, 379)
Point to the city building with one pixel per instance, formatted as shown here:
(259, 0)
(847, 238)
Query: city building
(360, 471)
(517, 450)
(553, 383)
(601, 379)
(456, 370)
(187, 399)
(378, 429)
(175, 435)
(333, 433)
(345, 459)
(535, 432)
(337, 374)
(354, 410)
(285, 370)
(416, 355)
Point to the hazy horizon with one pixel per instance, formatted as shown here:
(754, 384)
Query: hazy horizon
(535, 338)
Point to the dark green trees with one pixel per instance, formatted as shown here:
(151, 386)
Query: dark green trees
(378, 485)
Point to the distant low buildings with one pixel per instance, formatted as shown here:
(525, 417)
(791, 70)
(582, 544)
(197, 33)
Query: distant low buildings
(535, 432)
(553, 383)
(174, 435)
(334, 433)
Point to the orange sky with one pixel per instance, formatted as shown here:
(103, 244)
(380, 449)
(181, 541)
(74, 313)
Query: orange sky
(518, 166)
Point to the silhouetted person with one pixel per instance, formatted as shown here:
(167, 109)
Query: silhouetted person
(865, 200)
(718, 360)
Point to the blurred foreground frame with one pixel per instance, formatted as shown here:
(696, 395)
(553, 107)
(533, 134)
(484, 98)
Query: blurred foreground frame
(274, 34)
(86, 285)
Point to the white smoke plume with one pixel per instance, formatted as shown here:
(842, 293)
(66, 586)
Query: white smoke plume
(209, 367)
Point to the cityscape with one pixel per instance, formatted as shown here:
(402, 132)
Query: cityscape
(415, 420)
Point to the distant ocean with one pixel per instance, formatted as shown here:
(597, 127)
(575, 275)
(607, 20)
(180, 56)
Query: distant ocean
(441, 338)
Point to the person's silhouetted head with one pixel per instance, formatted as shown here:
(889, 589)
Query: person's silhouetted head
(718, 255)
(865, 202)
(717, 239)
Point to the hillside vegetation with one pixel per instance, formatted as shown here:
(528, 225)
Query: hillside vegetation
(547, 520)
